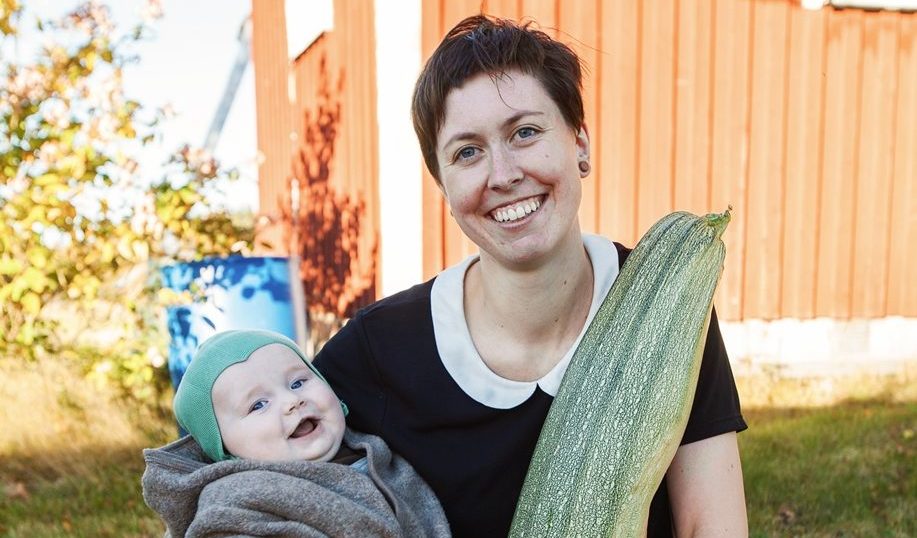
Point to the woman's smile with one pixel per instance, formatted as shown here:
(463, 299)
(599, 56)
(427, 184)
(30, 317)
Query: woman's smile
(517, 211)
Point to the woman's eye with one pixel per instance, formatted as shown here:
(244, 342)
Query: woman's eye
(526, 132)
(465, 153)
(256, 406)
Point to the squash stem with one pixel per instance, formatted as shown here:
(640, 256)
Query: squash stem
(718, 221)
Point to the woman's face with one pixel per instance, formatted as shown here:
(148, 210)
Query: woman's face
(509, 168)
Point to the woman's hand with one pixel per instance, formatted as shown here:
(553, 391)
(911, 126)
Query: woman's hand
(706, 489)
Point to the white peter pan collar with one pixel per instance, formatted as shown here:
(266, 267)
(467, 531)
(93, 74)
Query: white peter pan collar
(457, 351)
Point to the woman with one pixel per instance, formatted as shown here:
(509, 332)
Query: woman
(457, 374)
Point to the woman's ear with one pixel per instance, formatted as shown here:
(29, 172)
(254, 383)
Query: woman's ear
(582, 143)
(582, 151)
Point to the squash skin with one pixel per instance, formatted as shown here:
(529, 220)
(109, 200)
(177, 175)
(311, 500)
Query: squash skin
(623, 404)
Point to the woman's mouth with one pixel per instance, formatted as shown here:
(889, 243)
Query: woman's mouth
(516, 210)
(305, 427)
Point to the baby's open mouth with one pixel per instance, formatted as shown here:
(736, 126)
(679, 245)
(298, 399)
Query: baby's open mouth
(305, 427)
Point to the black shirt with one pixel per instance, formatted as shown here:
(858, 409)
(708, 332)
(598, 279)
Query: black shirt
(385, 365)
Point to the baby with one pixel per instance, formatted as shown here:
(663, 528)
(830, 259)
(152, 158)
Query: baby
(269, 453)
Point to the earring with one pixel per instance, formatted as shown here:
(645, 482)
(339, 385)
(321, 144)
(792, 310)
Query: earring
(584, 167)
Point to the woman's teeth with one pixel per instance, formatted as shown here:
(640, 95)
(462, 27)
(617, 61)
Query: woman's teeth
(516, 212)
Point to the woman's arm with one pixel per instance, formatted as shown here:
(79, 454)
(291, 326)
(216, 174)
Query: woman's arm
(706, 489)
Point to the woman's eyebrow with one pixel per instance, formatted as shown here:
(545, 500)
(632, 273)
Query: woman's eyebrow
(519, 115)
(506, 123)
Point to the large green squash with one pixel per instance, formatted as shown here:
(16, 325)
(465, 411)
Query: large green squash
(624, 401)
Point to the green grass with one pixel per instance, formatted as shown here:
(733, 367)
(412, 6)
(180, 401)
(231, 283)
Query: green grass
(848, 470)
(101, 498)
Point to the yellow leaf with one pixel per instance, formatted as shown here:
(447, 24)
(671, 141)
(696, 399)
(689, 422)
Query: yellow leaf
(31, 302)
(108, 253)
(45, 180)
(37, 213)
(34, 279)
(38, 259)
(10, 266)
(141, 249)
(189, 197)
(26, 334)
(124, 248)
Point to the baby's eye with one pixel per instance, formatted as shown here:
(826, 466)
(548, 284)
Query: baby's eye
(298, 383)
(257, 405)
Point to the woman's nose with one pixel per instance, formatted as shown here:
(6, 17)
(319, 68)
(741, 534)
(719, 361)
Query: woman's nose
(504, 171)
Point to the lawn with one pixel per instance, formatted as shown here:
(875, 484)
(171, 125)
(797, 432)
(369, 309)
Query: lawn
(70, 467)
(847, 470)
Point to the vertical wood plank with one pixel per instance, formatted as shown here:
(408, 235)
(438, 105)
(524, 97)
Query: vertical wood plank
(730, 142)
(902, 265)
(873, 180)
(579, 30)
(654, 161)
(434, 212)
(273, 125)
(842, 111)
(543, 12)
(454, 11)
(368, 179)
(619, 84)
(803, 161)
(505, 9)
(764, 231)
(692, 107)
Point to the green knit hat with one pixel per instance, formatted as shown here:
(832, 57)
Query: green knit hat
(193, 404)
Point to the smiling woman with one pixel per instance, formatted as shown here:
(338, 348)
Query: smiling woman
(506, 147)
(457, 374)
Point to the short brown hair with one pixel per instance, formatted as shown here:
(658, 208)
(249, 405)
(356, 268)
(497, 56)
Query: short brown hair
(482, 44)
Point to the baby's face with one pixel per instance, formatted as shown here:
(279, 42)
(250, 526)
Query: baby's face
(272, 407)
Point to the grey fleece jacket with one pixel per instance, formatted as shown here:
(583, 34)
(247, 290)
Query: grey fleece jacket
(196, 497)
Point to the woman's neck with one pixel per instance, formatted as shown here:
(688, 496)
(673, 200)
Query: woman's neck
(523, 321)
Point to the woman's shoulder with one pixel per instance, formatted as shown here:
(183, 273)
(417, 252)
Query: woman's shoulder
(409, 302)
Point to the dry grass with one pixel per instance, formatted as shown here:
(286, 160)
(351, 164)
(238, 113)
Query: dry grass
(70, 461)
(51, 410)
(769, 390)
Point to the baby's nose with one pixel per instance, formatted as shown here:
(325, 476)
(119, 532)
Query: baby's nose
(295, 402)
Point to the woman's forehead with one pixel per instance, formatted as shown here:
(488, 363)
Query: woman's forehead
(485, 99)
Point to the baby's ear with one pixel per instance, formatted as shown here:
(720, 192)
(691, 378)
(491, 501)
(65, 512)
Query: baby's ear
(344, 407)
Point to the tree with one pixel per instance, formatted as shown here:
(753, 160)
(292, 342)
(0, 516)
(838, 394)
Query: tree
(81, 231)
